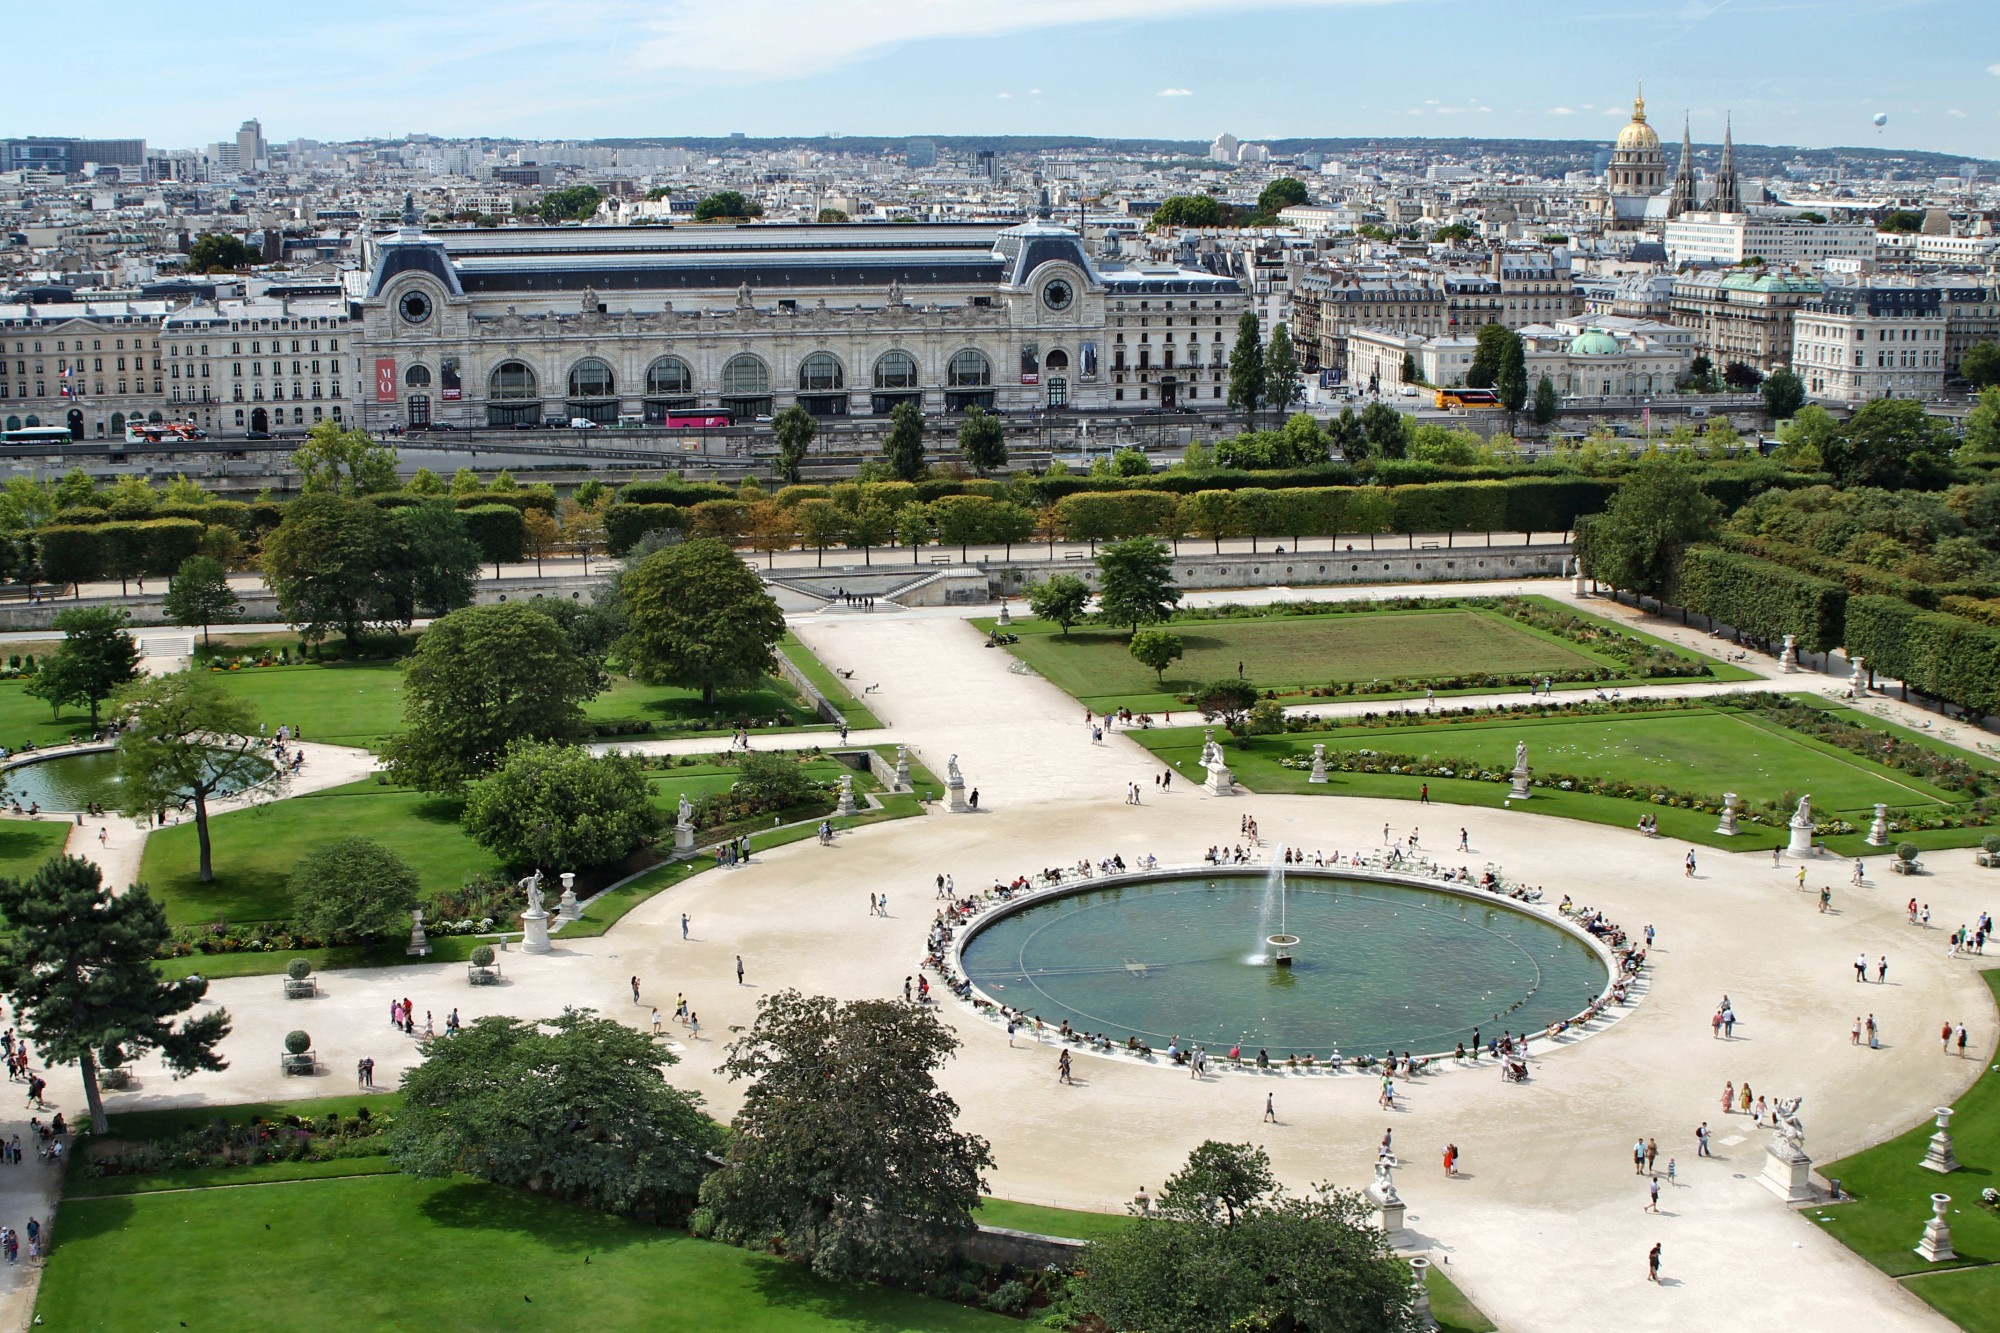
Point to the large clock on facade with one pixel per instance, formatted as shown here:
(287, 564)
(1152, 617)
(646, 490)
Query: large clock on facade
(415, 307)
(1058, 295)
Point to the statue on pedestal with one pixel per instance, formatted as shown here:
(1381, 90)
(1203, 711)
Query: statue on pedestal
(1520, 756)
(686, 813)
(1788, 1134)
(533, 885)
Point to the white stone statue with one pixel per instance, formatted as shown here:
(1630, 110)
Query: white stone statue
(686, 812)
(1802, 817)
(1788, 1135)
(1520, 756)
(895, 291)
(953, 778)
(533, 885)
(743, 297)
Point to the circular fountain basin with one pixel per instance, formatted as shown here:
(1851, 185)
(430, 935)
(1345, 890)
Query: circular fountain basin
(78, 780)
(1393, 965)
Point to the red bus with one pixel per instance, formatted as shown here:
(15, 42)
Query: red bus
(697, 420)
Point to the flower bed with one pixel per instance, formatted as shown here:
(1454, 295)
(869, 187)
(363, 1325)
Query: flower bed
(287, 1139)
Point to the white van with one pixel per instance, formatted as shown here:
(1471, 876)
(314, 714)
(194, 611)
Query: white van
(582, 423)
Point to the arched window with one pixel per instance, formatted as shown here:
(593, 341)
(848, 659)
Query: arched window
(511, 379)
(896, 370)
(820, 373)
(669, 377)
(1057, 359)
(417, 377)
(590, 378)
(969, 369)
(744, 376)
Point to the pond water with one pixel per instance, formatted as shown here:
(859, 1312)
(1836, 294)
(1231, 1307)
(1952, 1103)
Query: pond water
(74, 781)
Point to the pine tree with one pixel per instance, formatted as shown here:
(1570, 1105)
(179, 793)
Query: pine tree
(1246, 365)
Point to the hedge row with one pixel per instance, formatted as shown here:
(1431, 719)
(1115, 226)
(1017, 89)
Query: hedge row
(1762, 599)
(1946, 657)
(1858, 578)
(71, 553)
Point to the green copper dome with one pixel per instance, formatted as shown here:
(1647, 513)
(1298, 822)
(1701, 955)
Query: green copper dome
(1593, 342)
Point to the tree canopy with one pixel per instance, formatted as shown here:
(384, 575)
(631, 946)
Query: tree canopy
(1063, 599)
(1980, 365)
(1282, 193)
(845, 1148)
(333, 461)
(700, 618)
(1888, 442)
(1136, 582)
(982, 438)
(1636, 543)
(1156, 648)
(95, 657)
(1283, 382)
(77, 966)
(560, 807)
(1246, 364)
(573, 204)
(1784, 393)
(575, 1107)
(185, 738)
(727, 204)
(1188, 210)
(351, 890)
(480, 679)
(329, 563)
(219, 252)
(903, 446)
(794, 428)
(199, 594)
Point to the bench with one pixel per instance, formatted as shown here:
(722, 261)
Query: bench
(1078, 556)
(940, 559)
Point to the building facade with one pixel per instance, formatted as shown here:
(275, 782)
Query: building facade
(89, 366)
(519, 326)
(1744, 315)
(1879, 338)
(264, 365)
(1326, 307)
(1731, 238)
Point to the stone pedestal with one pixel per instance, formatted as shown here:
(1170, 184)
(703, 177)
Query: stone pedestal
(903, 764)
(1582, 587)
(1801, 845)
(845, 806)
(1938, 1156)
(1788, 656)
(535, 931)
(1788, 1174)
(954, 791)
(420, 943)
(1520, 790)
(1858, 681)
(567, 907)
(1388, 1204)
(1004, 618)
(1878, 829)
(1420, 1293)
(1936, 1244)
(683, 840)
(1725, 824)
(1220, 781)
(1319, 763)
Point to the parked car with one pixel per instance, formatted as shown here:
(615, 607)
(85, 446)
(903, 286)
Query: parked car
(442, 425)
(526, 425)
(582, 423)
(257, 435)
(554, 423)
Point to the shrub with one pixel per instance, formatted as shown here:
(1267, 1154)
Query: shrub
(1990, 843)
(298, 969)
(298, 1042)
(1907, 850)
(483, 956)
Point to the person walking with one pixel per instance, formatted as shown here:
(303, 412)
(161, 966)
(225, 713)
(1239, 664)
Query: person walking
(1690, 863)
(1825, 898)
(1728, 1097)
(1450, 1159)
(1857, 872)
(1861, 967)
(1882, 970)
(1653, 1189)
(684, 925)
(739, 969)
(1270, 1108)
(1653, 1263)
(1062, 1069)
(1638, 1157)
(1961, 1041)
(1945, 1037)
(1701, 1140)
(656, 1020)
(1652, 1155)
(1874, 1038)
(635, 990)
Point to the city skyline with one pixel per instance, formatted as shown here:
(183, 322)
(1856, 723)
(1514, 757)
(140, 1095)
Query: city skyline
(1185, 69)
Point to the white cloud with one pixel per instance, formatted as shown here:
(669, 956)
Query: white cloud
(1993, 70)
(1034, 92)
(1483, 110)
(1561, 111)
(1175, 92)
(774, 39)
(1003, 96)
(1414, 111)
(1957, 113)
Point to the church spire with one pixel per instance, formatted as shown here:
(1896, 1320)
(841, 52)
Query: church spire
(1728, 195)
(1683, 199)
(1639, 104)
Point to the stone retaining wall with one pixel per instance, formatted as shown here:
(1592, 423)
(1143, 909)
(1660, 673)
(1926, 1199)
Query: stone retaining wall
(1430, 563)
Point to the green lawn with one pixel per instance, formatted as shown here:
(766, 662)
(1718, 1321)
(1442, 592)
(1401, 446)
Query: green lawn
(1453, 1313)
(1702, 750)
(1892, 1197)
(391, 1252)
(827, 683)
(1290, 653)
(1074, 1223)
(26, 843)
(26, 720)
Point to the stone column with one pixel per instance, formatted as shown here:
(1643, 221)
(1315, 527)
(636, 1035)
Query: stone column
(420, 943)
(1936, 1244)
(1939, 1157)
(1726, 823)
(535, 931)
(1319, 763)
(954, 789)
(1582, 586)
(567, 908)
(845, 806)
(1878, 831)
(1788, 657)
(903, 767)
(1420, 1294)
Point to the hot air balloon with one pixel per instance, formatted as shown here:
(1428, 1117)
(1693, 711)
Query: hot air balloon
(1881, 119)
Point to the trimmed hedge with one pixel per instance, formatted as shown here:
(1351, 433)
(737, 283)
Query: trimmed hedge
(1762, 599)
(625, 524)
(682, 493)
(1946, 657)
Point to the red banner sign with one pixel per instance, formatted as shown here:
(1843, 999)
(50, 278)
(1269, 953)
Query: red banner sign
(385, 379)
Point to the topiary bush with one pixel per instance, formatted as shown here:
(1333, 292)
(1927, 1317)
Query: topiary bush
(298, 1042)
(483, 956)
(1990, 843)
(1907, 850)
(298, 969)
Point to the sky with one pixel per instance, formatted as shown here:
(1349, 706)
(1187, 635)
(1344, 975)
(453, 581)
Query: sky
(1807, 72)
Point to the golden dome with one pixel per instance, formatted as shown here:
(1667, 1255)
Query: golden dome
(1638, 137)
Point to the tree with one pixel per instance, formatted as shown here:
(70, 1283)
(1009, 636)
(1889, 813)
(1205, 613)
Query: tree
(540, 534)
(1384, 430)
(574, 1107)
(1511, 383)
(328, 563)
(1187, 210)
(333, 461)
(1225, 1247)
(904, 445)
(1701, 373)
(1061, 598)
(219, 252)
(560, 807)
(185, 739)
(1454, 233)
(1489, 346)
(700, 619)
(433, 562)
(1135, 583)
(1282, 193)
(982, 438)
(1158, 649)
(1889, 442)
(1546, 402)
(1901, 221)
(1228, 700)
(832, 215)
(480, 679)
(726, 204)
(1980, 366)
(199, 594)
(1282, 381)
(77, 966)
(794, 428)
(1657, 513)
(845, 1148)
(498, 531)
(95, 657)
(426, 484)
(1246, 365)
(575, 203)
(1741, 377)
(1784, 393)
(820, 524)
(1212, 514)
(913, 527)
(1982, 425)
(867, 526)
(352, 890)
